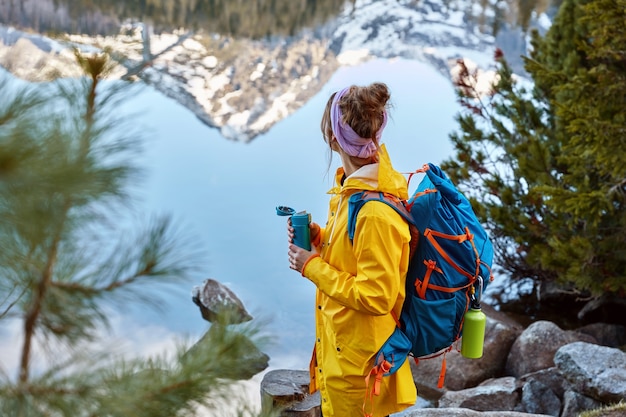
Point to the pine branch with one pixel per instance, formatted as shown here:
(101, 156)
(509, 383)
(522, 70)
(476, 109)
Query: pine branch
(32, 315)
(14, 302)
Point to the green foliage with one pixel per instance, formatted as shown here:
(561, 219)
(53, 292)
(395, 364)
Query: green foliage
(495, 131)
(546, 162)
(71, 251)
(590, 101)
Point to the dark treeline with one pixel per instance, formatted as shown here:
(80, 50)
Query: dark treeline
(239, 18)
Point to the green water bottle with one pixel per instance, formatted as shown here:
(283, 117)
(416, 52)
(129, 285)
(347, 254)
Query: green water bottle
(473, 333)
(474, 325)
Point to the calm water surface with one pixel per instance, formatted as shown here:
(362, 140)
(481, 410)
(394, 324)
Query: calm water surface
(225, 193)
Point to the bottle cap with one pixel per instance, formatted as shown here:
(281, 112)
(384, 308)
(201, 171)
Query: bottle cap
(285, 211)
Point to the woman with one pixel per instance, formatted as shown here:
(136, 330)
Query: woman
(360, 284)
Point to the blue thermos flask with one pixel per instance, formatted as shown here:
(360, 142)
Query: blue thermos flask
(300, 222)
(302, 235)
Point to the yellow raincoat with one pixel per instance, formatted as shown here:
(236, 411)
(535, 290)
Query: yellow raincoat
(359, 284)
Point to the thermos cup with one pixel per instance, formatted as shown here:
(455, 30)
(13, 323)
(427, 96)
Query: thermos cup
(302, 235)
(300, 222)
(473, 333)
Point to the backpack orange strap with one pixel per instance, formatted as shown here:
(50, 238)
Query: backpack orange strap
(431, 234)
(422, 286)
(421, 170)
(444, 365)
(378, 371)
(442, 374)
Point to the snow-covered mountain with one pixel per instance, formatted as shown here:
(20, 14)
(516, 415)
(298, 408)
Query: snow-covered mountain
(243, 87)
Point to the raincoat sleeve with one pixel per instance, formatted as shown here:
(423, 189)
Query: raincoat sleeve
(381, 249)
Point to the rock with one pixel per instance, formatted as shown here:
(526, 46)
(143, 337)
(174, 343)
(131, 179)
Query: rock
(239, 356)
(540, 399)
(586, 376)
(288, 391)
(534, 349)
(552, 378)
(492, 395)
(574, 403)
(611, 335)
(218, 302)
(464, 412)
(595, 371)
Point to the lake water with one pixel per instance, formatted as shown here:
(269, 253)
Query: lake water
(224, 195)
(226, 192)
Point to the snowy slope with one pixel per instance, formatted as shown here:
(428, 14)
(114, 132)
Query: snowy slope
(244, 87)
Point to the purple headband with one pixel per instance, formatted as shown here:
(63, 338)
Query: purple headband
(348, 139)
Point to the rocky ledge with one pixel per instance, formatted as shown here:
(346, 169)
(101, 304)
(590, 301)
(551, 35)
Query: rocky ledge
(540, 370)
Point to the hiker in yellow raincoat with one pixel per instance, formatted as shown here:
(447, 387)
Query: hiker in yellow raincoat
(360, 284)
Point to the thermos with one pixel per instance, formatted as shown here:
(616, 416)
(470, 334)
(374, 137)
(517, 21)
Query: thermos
(474, 324)
(302, 235)
(300, 222)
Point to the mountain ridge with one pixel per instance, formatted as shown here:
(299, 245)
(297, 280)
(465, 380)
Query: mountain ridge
(243, 87)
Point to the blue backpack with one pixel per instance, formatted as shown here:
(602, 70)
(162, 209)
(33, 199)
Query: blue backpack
(451, 255)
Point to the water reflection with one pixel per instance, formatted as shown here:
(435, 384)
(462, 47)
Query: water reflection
(226, 192)
(250, 19)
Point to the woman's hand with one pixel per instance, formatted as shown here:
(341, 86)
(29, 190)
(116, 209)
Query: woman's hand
(297, 255)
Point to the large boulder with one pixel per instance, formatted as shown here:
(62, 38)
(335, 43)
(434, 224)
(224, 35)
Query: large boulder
(534, 349)
(492, 395)
(595, 371)
(542, 389)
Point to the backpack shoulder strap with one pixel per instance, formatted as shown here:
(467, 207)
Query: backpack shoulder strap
(357, 200)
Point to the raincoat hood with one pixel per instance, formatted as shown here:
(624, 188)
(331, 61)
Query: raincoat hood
(380, 176)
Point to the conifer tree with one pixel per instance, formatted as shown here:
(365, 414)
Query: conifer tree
(70, 253)
(544, 160)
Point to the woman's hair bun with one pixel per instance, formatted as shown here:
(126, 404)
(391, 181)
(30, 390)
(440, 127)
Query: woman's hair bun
(363, 108)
